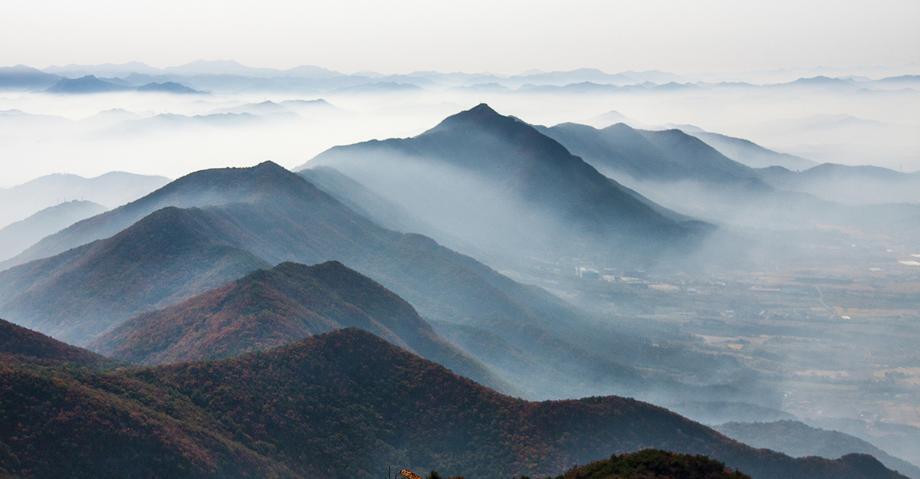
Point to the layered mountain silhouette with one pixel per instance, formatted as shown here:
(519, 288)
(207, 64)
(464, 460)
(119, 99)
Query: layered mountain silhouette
(800, 440)
(274, 307)
(23, 77)
(342, 403)
(168, 87)
(110, 190)
(91, 84)
(861, 184)
(147, 255)
(497, 182)
(166, 257)
(681, 171)
(19, 235)
(87, 84)
(751, 154)
(646, 155)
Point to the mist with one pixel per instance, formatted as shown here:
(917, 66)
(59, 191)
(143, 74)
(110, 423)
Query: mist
(790, 296)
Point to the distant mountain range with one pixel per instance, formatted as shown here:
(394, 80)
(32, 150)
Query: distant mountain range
(848, 184)
(668, 155)
(497, 182)
(751, 154)
(345, 401)
(111, 189)
(91, 84)
(800, 440)
(270, 308)
(228, 75)
(21, 77)
(16, 237)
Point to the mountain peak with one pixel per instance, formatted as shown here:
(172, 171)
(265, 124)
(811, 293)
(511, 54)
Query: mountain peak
(482, 108)
(269, 165)
(480, 113)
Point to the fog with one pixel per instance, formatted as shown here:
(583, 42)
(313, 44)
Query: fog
(802, 299)
(91, 135)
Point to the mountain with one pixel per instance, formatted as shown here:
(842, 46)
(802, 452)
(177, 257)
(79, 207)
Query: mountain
(165, 121)
(849, 184)
(382, 87)
(167, 257)
(21, 343)
(265, 108)
(593, 75)
(206, 188)
(111, 189)
(801, 440)
(92, 84)
(274, 307)
(19, 235)
(345, 403)
(230, 67)
(307, 105)
(21, 77)
(363, 201)
(86, 84)
(680, 171)
(664, 156)
(653, 464)
(106, 69)
(751, 154)
(168, 87)
(238, 220)
(820, 81)
(496, 182)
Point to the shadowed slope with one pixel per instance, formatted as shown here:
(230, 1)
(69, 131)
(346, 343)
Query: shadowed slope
(274, 307)
(24, 343)
(497, 182)
(164, 258)
(272, 215)
(340, 404)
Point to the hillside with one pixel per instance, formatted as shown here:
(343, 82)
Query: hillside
(496, 182)
(23, 343)
(18, 236)
(363, 201)
(800, 440)
(264, 215)
(270, 308)
(653, 464)
(167, 257)
(345, 403)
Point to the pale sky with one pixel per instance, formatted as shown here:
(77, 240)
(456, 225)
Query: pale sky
(499, 36)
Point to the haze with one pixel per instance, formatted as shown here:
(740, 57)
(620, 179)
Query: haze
(700, 37)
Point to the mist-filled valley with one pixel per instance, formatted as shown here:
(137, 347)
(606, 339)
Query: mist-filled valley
(744, 252)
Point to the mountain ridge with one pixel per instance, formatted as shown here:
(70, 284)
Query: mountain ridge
(523, 181)
(270, 308)
(342, 401)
